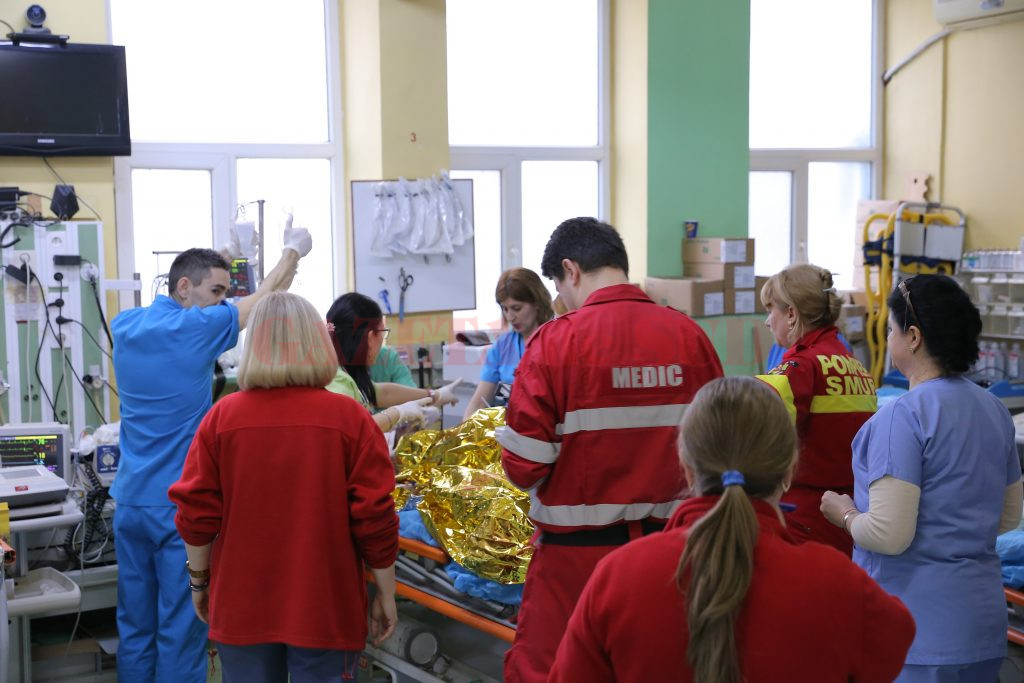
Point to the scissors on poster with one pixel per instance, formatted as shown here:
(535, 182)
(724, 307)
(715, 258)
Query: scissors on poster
(404, 282)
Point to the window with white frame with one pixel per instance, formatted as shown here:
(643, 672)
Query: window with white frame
(527, 103)
(814, 112)
(227, 112)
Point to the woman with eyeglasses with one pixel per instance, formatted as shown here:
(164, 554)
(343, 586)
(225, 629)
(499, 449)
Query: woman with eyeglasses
(829, 393)
(937, 478)
(724, 594)
(358, 329)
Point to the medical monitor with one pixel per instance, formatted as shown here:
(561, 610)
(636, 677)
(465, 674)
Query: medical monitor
(37, 443)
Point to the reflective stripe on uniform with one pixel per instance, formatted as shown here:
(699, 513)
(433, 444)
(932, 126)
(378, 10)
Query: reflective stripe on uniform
(597, 515)
(850, 403)
(526, 447)
(780, 383)
(622, 417)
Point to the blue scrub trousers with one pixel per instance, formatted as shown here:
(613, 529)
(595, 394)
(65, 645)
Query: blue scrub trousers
(161, 638)
(986, 671)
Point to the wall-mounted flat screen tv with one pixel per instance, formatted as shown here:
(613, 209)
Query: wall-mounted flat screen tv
(63, 100)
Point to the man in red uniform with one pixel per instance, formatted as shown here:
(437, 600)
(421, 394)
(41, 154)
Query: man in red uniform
(591, 427)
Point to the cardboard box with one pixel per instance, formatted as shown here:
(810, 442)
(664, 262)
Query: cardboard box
(734, 275)
(759, 282)
(718, 250)
(696, 298)
(741, 301)
(852, 322)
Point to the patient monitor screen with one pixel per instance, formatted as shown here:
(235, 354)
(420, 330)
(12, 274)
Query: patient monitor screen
(33, 449)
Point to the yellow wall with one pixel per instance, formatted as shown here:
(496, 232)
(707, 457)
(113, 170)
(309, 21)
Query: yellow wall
(395, 110)
(93, 177)
(955, 112)
(629, 130)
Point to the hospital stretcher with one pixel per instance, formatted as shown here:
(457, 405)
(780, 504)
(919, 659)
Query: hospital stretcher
(420, 579)
(1016, 599)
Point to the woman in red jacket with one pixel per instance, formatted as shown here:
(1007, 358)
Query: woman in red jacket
(284, 498)
(726, 578)
(828, 392)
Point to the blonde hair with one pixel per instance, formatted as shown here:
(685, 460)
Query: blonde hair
(287, 345)
(809, 291)
(733, 423)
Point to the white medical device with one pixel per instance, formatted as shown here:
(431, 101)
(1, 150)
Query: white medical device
(37, 443)
(31, 485)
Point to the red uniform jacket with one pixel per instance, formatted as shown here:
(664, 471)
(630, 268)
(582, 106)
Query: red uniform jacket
(810, 614)
(830, 395)
(293, 487)
(598, 394)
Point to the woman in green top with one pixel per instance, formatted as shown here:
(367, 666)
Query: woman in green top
(358, 332)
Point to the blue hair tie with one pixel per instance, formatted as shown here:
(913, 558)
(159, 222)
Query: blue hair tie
(732, 478)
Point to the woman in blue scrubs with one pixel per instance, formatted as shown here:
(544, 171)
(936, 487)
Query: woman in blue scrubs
(936, 478)
(525, 305)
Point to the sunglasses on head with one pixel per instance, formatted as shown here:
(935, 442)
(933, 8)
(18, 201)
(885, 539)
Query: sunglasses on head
(911, 313)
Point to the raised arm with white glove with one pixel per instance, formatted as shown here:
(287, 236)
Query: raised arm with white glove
(297, 243)
(298, 239)
(445, 396)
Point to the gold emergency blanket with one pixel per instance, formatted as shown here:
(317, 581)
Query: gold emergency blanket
(469, 506)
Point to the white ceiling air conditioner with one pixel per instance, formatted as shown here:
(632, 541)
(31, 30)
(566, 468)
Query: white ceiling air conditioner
(960, 14)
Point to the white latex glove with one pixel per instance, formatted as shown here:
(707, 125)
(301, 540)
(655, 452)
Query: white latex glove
(297, 239)
(431, 415)
(445, 396)
(412, 412)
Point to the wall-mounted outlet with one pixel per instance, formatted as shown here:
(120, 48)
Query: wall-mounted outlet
(26, 257)
(89, 272)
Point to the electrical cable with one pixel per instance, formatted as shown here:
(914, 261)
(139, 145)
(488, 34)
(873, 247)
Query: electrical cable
(85, 389)
(42, 339)
(99, 305)
(77, 196)
(13, 30)
(85, 329)
(11, 226)
(95, 500)
(111, 387)
(60, 342)
(81, 573)
(103, 318)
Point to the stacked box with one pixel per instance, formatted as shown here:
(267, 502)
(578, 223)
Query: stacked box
(718, 250)
(696, 297)
(725, 259)
(852, 322)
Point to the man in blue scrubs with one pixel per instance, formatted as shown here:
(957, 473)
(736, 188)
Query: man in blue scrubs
(163, 357)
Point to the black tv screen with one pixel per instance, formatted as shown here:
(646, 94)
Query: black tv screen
(64, 100)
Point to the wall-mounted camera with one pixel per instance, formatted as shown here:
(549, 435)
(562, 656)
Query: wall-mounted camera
(36, 15)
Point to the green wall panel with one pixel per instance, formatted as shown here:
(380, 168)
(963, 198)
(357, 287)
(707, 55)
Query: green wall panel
(698, 149)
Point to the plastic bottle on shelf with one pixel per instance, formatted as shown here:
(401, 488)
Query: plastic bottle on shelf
(990, 361)
(999, 362)
(1013, 361)
(981, 367)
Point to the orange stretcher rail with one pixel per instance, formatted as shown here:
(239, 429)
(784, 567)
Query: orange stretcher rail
(1017, 598)
(422, 549)
(452, 611)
